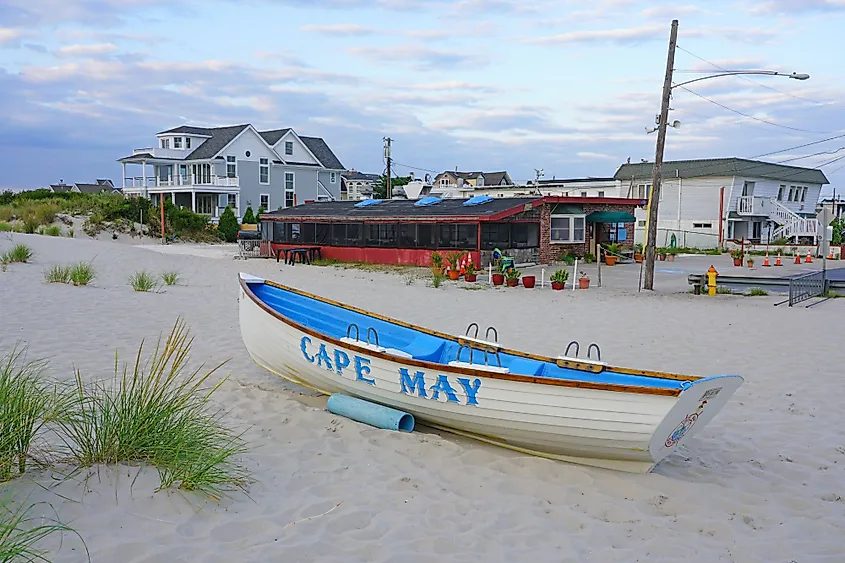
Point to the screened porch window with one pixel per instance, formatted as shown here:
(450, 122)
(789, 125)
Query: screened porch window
(568, 228)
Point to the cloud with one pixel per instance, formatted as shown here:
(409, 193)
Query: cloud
(669, 11)
(454, 85)
(596, 156)
(421, 58)
(10, 34)
(634, 35)
(797, 6)
(93, 50)
(340, 29)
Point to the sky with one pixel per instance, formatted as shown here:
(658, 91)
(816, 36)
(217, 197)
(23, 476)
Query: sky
(566, 86)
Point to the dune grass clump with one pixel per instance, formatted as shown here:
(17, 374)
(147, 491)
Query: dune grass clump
(50, 231)
(170, 278)
(5, 227)
(21, 253)
(57, 274)
(82, 273)
(21, 530)
(143, 281)
(156, 412)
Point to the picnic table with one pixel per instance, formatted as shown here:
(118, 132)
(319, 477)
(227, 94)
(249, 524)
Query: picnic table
(305, 254)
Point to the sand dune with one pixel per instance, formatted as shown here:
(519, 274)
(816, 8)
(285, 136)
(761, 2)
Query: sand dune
(763, 482)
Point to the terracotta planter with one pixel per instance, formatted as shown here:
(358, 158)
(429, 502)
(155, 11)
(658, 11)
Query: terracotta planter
(557, 286)
(661, 257)
(610, 260)
(512, 283)
(584, 283)
(738, 262)
(750, 264)
(498, 279)
(528, 281)
(638, 258)
(470, 277)
(670, 257)
(454, 274)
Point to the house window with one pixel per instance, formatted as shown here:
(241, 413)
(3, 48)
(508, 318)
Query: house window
(333, 177)
(480, 181)
(791, 193)
(177, 142)
(165, 143)
(568, 228)
(290, 189)
(601, 194)
(264, 201)
(583, 194)
(231, 167)
(804, 195)
(232, 201)
(781, 189)
(187, 142)
(289, 148)
(702, 225)
(264, 171)
(643, 191)
(641, 223)
(444, 181)
(756, 229)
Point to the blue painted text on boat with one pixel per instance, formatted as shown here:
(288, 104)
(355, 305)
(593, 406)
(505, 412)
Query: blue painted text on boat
(416, 385)
(338, 361)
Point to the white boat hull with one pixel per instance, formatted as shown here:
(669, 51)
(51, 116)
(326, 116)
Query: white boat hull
(610, 429)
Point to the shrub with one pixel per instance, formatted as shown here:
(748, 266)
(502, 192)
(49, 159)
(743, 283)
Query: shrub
(51, 231)
(228, 226)
(21, 253)
(57, 274)
(30, 224)
(5, 227)
(260, 211)
(143, 281)
(82, 273)
(249, 218)
(170, 278)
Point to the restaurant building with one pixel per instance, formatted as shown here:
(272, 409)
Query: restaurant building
(398, 231)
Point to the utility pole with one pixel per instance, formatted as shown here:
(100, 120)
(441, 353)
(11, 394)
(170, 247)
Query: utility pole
(654, 198)
(388, 188)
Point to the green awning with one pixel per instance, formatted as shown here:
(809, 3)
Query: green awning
(610, 217)
(567, 209)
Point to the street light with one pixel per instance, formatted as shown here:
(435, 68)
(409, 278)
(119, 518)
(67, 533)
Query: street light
(662, 123)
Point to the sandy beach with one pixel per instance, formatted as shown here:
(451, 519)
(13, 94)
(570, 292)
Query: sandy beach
(763, 482)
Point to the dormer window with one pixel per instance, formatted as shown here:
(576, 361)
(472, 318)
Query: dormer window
(165, 143)
(288, 148)
(177, 142)
(187, 142)
(480, 181)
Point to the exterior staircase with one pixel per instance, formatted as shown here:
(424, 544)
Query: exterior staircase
(790, 225)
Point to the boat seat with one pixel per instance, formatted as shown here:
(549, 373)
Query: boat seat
(483, 367)
(375, 348)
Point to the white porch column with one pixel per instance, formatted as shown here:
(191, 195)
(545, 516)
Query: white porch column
(193, 201)
(173, 198)
(123, 164)
(144, 173)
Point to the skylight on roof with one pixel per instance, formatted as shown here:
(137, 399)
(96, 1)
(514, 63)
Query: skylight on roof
(426, 201)
(478, 200)
(368, 202)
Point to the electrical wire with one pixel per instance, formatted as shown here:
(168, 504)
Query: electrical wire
(810, 155)
(799, 146)
(414, 167)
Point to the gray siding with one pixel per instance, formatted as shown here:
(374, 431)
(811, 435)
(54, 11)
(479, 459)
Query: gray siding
(325, 178)
(306, 184)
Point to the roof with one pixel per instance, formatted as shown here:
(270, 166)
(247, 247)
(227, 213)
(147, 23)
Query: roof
(490, 178)
(723, 167)
(355, 175)
(188, 130)
(272, 137)
(94, 188)
(220, 137)
(323, 153)
(574, 180)
(60, 187)
(402, 209)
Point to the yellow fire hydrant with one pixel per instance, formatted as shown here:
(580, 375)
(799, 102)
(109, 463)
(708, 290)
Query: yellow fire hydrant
(711, 280)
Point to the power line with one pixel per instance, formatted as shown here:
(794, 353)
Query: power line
(751, 116)
(415, 167)
(800, 146)
(748, 79)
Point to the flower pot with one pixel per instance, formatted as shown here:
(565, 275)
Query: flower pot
(738, 262)
(528, 281)
(498, 279)
(584, 283)
(661, 257)
(454, 274)
(750, 264)
(557, 286)
(470, 277)
(513, 283)
(610, 260)
(638, 258)
(670, 257)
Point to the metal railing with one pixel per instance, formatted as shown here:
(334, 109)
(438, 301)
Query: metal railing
(248, 248)
(807, 286)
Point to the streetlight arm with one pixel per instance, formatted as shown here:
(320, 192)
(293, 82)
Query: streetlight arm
(794, 75)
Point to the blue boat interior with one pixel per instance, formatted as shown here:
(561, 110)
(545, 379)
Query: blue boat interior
(334, 321)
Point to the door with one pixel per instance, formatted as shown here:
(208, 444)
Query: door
(748, 189)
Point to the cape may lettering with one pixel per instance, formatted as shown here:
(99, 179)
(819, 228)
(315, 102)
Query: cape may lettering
(416, 385)
(338, 361)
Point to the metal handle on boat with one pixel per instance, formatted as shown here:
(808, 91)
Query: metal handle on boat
(349, 331)
(577, 349)
(476, 330)
(487, 334)
(598, 352)
(369, 330)
(460, 349)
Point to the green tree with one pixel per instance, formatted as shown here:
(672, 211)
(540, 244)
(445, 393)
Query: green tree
(248, 216)
(260, 211)
(380, 185)
(228, 226)
(838, 231)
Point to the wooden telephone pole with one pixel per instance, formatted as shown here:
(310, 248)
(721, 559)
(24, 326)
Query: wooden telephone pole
(388, 187)
(654, 197)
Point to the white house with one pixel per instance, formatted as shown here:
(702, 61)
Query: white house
(102, 186)
(207, 169)
(357, 185)
(703, 202)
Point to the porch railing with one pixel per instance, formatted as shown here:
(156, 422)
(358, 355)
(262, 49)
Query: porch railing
(807, 286)
(178, 181)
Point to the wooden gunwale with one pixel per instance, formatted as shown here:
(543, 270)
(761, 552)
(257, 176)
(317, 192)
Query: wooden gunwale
(615, 387)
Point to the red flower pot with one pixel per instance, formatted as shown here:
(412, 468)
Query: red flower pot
(513, 283)
(638, 258)
(498, 279)
(670, 257)
(557, 286)
(528, 281)
(584, 283)
(454, 274)
(610, 260)
(470, 277)
(738, 262)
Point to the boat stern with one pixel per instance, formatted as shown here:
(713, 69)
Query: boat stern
(697, 405)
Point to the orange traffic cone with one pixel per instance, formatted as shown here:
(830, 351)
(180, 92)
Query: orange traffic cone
(778, 262)
(797, 258)
(831, 255)
(766, 261)
(809, 259)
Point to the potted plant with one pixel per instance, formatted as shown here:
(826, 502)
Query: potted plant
(470, 273)
(558, 279)
(589, 258)
(436, 263)
(661, 254)
(498, 276)
(670, 254)
(512, 277)
(638, 253)
(528, 282)
(736, 254)
(583, 280)
(750, 262)
(610, 253)
(454, 260)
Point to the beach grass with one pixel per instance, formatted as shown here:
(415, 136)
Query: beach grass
(5, 227)
(57, 274)
(50, 231)
(82, 273)
(170, 277)
(143, 281)
(156, 412)
(437, 279)
(21, 253)
(26, 403)
(757, 292)
(21, 530)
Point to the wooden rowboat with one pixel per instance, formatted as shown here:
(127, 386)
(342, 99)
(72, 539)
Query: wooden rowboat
(566, 408)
